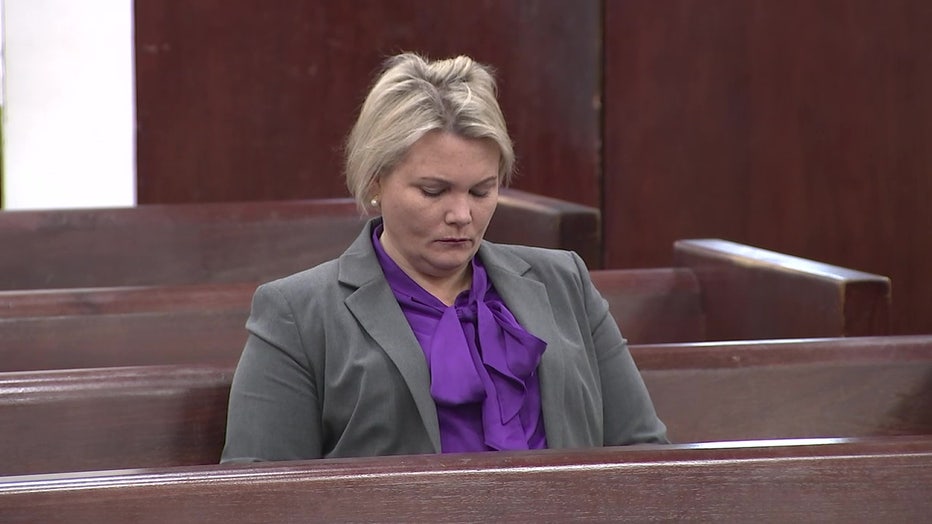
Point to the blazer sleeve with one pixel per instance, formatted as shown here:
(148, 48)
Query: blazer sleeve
(628, 413)
(274, 412)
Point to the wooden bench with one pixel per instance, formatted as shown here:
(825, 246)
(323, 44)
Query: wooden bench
(176, 415)
(856, 386)
(874, 480)
(123, 339)
(721, 290)
(203, 323)
(164, 244)
(112, 418)
(749, 292)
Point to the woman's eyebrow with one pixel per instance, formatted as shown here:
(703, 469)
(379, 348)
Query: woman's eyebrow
(432, 179)
(489, 180)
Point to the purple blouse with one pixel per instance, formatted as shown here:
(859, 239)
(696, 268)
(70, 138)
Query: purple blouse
(483, 365)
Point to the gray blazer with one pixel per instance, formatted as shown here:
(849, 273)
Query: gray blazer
(331, 367)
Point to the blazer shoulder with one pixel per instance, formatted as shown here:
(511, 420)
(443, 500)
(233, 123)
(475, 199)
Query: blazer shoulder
(539, 259)
(317, 277)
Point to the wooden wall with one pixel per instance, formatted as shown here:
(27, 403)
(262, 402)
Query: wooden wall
(802, 126)
(244, 99)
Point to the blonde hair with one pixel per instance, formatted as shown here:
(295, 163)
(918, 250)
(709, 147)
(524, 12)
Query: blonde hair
(413, 96)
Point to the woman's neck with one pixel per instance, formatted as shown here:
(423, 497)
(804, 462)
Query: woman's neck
(446, 289)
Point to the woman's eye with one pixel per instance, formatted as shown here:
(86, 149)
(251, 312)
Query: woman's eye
(480, 194)
(431, 191)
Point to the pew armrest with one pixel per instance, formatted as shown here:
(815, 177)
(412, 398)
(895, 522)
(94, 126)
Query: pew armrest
(749, 292)
(653, 305)
(537, 220)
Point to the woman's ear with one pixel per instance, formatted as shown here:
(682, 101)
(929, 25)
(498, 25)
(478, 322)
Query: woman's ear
(374, 193)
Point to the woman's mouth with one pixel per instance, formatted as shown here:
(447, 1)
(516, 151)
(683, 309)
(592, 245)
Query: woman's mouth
(454, 241)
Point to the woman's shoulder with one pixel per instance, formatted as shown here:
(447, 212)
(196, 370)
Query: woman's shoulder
(316, 279)
(536, 257)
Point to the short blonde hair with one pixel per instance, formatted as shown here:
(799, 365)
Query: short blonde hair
(414, 96)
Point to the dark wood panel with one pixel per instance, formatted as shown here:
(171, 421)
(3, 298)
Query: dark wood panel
(799, 126)
(243, 99)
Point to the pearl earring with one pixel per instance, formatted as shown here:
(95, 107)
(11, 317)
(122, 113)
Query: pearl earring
(374, 202)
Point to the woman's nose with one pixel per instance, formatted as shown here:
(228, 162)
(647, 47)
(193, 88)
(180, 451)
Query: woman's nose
(459, 211)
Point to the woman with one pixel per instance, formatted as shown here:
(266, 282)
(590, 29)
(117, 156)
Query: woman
(422, 337)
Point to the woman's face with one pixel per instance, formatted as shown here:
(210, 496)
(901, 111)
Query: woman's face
(437, 203)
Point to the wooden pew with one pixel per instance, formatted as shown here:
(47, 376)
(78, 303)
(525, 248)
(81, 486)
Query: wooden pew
(874, 480)
(856, 386)
(176, 415)
(721, 290)
(749, 292)
(126, 299)
(235, 242)
(123, 339)
(112, 418)
(48, 329)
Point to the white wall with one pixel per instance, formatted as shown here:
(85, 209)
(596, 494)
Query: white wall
(68, 110)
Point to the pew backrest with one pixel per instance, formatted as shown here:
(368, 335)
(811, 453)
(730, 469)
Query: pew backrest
(537, 220)
(724, 291)
(838, 387)
(172, 415)
(159, 244)
(110, 418)
(654, 305)
(204, 323)
(720, 291)
(93, 327)
(172, 243)
(125, 299)
(213, 336)
(886, 480)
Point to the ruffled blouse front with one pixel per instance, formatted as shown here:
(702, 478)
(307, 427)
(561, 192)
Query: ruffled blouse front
(483, 364)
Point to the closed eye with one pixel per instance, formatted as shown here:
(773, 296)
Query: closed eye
(432, 191)
(484, 188)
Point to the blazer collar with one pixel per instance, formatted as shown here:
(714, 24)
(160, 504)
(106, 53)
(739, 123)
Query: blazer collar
(375, 307)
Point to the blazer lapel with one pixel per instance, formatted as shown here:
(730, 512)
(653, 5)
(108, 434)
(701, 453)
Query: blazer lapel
(375, 307)
(527, 300)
